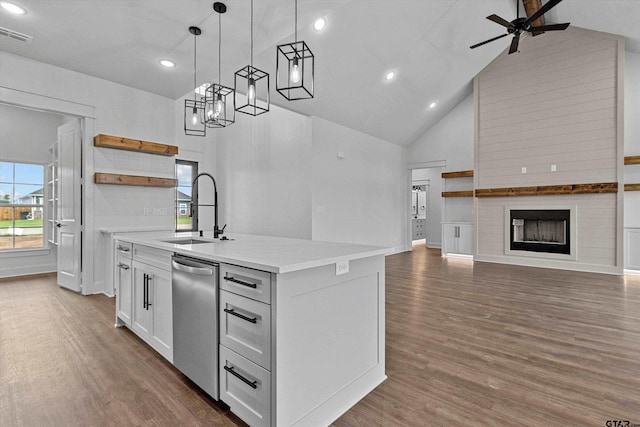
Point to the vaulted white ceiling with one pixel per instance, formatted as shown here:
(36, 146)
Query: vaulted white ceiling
(426, 42)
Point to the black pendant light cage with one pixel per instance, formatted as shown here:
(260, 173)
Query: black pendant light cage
(295, 71)
(220, 103)
(220, 106)
(255, 99)
(255, 83)
(194, 108)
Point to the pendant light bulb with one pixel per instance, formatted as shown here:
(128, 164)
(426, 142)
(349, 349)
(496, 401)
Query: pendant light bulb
(295, 71)
(252, 91)
(194, 116)
(218, 106)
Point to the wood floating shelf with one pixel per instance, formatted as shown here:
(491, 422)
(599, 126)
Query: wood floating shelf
(632, 160)
(632, 187)
(457, 174)
(143, 181)
(549, 190)
(120, 143)
(466, 193)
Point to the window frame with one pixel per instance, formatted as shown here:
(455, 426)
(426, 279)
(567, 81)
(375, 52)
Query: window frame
(194, 197)
(33, 206)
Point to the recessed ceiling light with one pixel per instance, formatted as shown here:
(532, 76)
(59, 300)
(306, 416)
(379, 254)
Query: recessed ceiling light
(13, 8)
(390, 75)
(432, 105)
(319, 24)
(167, 63)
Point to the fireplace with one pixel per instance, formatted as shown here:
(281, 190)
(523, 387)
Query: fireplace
(540, 230)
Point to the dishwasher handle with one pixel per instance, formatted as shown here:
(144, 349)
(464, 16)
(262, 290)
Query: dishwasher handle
(202, 271)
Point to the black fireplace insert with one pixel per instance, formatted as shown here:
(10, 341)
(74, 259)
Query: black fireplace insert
(541, 230)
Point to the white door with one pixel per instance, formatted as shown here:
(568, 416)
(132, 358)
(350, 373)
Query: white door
(69, 225)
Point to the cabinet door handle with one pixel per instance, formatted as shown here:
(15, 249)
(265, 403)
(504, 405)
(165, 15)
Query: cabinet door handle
(240, 282)
(243, 317)
(123, 266)
(144, 291)
(149, 278)
(251, 384)
(123, 248)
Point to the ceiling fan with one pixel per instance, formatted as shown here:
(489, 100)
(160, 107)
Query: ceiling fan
(518, 25)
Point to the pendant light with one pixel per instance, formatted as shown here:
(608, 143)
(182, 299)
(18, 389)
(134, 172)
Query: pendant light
(295, 67)
(219, 100)
(256, 84)
(193, 108)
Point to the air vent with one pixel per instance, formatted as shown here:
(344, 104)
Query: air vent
(15, 35)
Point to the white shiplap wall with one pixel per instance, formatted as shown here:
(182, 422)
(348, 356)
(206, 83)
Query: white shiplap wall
(556, 102)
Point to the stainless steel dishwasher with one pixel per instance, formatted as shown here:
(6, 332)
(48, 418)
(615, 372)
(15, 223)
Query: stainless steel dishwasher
(195, 321)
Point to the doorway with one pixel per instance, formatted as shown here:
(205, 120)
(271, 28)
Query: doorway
(425, 215)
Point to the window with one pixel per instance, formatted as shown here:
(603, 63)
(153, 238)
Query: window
(21, 205)
(186, 218)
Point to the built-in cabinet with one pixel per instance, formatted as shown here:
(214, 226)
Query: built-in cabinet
(123, 282)
(418, 229)
(457, 238)
(144, 298)
(245, 343)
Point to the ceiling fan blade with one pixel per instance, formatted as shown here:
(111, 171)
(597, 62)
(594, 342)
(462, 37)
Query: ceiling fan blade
(514, 43)
(488, 41)
(544, 9)
(550, 27)
(501, 21)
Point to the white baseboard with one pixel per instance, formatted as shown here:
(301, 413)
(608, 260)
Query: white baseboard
(553, 264)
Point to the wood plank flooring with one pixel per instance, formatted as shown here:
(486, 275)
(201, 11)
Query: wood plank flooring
(467, 344)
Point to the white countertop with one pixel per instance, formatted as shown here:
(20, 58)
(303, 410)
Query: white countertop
(273, 254)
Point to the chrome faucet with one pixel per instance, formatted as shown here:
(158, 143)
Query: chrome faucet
(217, 231)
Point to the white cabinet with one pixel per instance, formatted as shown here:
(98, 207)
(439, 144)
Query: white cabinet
(632, 248)
(457, 238)
(151, 313)
(418, 229)
(123, 283)
(245, 343)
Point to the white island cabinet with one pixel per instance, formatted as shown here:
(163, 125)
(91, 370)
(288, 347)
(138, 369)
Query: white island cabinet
(304, 341)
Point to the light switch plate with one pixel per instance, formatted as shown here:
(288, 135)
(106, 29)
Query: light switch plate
(342, 267)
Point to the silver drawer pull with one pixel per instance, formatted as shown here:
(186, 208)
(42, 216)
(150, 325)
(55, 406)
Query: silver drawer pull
(243, 317)
(123, 266)
(240, 282)
(123, 248)
(251, 384)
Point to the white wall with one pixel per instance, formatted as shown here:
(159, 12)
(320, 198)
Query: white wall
(451, 139)
(263, 171)
(632, 137)
(26, 136)
(361, 198)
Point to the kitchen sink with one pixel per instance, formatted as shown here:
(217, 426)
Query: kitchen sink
(187, 241)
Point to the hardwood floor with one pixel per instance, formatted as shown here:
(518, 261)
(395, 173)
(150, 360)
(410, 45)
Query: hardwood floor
(467, 344)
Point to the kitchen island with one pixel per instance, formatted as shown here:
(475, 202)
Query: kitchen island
(301, 322)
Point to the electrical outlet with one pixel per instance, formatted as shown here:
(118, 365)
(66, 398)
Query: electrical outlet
(342, 267)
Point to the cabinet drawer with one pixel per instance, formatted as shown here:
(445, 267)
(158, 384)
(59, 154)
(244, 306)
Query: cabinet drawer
(245, 327)
(123, 248)
(156, 257)
(255, 284)
(245, 387)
